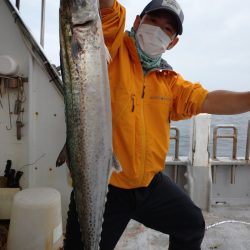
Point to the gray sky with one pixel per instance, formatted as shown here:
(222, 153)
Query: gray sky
(214, 48)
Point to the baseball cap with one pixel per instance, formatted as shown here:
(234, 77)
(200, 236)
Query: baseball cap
(171, 6)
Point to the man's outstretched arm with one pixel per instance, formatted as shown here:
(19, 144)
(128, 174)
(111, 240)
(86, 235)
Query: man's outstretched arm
(222, 102)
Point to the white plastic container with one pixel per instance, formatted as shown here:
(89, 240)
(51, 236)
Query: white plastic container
(36, 220)
(8, 66)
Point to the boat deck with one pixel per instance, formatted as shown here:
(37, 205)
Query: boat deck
(232, 234)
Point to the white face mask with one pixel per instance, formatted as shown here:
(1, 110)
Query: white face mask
(152, 40)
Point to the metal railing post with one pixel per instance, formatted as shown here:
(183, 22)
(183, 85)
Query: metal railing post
(248, 142)
(176, 138)
(234, 137)
(234, 150)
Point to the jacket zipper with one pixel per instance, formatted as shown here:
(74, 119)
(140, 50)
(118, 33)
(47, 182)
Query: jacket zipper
(133, 103)
(143, 132)
(143, 92)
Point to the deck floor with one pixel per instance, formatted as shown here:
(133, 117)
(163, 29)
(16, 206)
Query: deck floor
(227, 236)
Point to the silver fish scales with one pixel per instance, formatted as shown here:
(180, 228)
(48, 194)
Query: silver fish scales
(87, 112)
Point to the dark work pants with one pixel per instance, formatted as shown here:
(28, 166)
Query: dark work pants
(162, 206)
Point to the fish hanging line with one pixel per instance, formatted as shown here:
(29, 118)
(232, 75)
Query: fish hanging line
(227, 221)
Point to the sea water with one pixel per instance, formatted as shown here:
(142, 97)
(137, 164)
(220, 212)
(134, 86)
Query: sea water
(224, 146)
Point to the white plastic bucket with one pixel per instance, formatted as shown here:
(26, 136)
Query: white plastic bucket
(36, 220)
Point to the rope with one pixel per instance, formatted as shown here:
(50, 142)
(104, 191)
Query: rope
(227, 221)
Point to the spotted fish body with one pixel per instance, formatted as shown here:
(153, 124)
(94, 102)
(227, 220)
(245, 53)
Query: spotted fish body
(87, 111)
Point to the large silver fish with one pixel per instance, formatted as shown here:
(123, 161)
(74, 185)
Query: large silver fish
(87, 111)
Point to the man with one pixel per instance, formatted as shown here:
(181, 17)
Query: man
(146, 94)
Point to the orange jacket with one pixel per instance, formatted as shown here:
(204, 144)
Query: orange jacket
(142, 105)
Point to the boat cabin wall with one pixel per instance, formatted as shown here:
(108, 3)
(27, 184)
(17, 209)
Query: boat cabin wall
(32, 146)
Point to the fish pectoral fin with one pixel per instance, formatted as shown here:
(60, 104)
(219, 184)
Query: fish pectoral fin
(116, 164)
(62, 157)
(107, 54)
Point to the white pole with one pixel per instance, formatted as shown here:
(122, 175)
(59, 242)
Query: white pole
(199, 171)
(42, 23)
